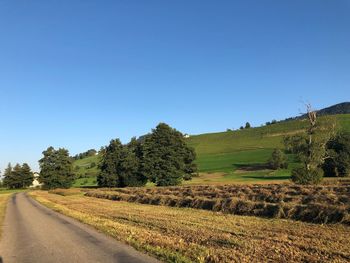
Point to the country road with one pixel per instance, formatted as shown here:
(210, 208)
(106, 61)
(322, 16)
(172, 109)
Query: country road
(34, 233)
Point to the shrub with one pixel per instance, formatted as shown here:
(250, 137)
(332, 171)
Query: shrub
(338, 162)
(92, 165)
(278, 160)
(303, 176)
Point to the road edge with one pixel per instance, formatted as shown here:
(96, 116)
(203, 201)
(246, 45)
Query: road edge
(90, 228)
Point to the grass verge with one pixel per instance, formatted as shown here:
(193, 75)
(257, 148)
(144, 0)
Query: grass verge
(190, 235)
(4, 196)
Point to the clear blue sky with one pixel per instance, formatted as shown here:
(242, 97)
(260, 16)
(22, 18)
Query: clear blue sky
(76, 74)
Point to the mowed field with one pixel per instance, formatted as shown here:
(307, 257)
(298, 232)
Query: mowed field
(232, 157)
(317, 204)
(175, 234)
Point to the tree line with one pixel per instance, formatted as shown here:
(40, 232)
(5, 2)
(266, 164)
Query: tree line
(19, 176)
(88, 153)
(161, 157)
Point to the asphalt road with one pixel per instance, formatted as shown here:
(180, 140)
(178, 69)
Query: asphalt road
(34, 233)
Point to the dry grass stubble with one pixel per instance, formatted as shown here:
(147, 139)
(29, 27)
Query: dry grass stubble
(190, 235)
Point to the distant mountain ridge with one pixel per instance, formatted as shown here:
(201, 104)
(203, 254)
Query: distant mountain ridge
(340, 108)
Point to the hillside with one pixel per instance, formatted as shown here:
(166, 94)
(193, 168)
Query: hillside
(241, 154)
(234, 156)
(340, 108)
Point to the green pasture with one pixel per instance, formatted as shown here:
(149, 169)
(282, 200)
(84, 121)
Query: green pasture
(238, 156)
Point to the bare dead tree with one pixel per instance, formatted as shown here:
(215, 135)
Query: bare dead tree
(318, 134)
(312, 114)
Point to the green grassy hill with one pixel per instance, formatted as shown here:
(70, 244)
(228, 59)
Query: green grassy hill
(234, 156)
(85, 173)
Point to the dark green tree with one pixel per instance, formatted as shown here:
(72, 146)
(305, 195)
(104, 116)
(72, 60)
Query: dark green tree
(167, 159)
(247, 125)
(56, 169)
(121, 166)
(27, 176)
(191, 168)
(131, 165)
(130, 169)
(110, 160)
(7, 176)
(337, 164)
(16, 178)
(278, 160)
(92, 165)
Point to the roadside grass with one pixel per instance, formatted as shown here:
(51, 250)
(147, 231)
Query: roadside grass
(11, 191)
(4, 196)
(3, 201)
(191, 235)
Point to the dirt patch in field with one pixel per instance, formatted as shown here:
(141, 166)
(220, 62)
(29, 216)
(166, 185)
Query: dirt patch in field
(211, 175)
(247, 168)
(284, 133)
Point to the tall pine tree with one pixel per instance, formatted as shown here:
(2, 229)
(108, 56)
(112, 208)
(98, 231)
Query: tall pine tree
(8, 176)
(27, 176)
(18, 176)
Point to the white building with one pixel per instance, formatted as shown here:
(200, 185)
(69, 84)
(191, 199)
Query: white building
(36, 182)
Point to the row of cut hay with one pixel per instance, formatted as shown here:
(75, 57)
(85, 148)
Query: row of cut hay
(247, 189)
(65, 192)
(315, 213)
(328, 195)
